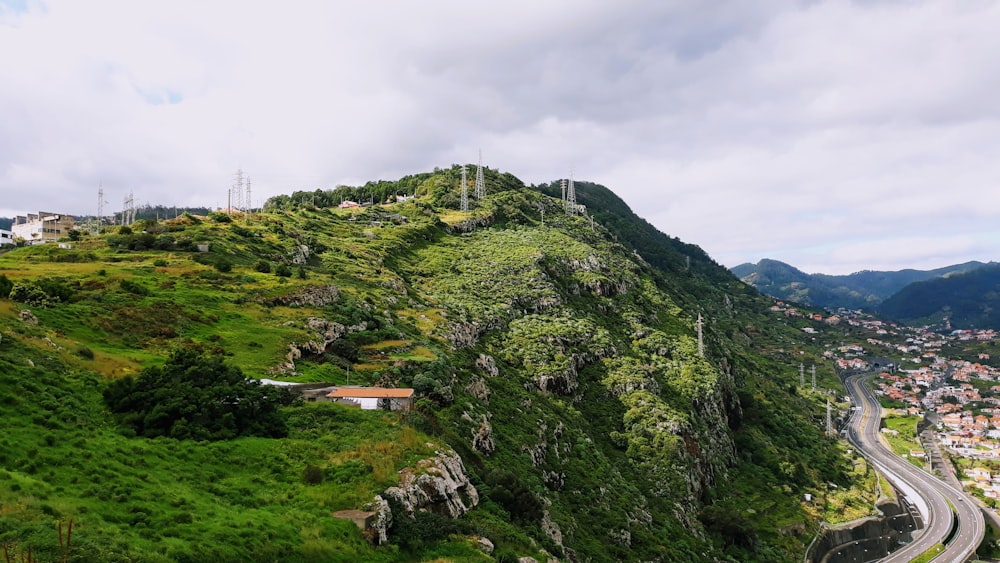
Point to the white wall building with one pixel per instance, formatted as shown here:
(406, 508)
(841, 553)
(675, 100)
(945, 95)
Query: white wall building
(6, 237)
(41, 227)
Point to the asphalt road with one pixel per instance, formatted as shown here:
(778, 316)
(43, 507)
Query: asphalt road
(934, 494)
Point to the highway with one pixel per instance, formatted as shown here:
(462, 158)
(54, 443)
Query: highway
(933, 495)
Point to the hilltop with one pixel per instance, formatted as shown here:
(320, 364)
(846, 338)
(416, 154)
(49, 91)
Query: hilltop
(567, 405)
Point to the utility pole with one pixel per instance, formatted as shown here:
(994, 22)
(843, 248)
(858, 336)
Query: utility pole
(701, 338)
(829, 419)
(465, 192)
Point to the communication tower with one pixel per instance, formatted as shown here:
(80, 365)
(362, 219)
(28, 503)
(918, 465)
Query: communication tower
(814, 377)
(802, 376)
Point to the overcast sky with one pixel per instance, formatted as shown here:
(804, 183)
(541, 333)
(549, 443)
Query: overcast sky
(833, 135)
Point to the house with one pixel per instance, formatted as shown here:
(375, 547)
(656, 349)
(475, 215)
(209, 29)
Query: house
(42, 227)
(347, 204)
(372, 398)
(6, 237)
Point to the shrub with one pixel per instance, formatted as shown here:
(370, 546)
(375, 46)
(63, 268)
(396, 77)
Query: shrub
(220, 217)
(263, 266)
(159, 262)
(133, 288)
(283, 271)
(124, 230)
(312, 475)
(301, 274)
(223, 265)
(30, 294)
(5, 286)
(84, 352)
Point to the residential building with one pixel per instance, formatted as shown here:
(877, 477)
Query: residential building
(41, 227)
(6, 237)
(372, 398)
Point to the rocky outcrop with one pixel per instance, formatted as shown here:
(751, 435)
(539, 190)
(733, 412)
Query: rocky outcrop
(325, 333)
(378, 529)
(482, 438)
(311, 296)
(438, 485)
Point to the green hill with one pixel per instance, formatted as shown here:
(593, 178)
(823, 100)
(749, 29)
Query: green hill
(860, 290)
(558, 359)
(966, 300)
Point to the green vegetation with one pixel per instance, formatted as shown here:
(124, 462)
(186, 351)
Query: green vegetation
(561, 360)
(904, 440)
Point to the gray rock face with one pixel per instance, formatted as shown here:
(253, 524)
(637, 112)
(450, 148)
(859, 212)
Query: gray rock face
(378, 532)
(437, 485)
(311, 296)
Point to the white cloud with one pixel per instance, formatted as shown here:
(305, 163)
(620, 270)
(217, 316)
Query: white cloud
(820, 133)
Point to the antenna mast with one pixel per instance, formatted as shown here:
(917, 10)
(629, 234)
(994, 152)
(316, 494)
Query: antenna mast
(480, 183)
(465, 192)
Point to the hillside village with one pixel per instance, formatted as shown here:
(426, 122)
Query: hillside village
(958, 398)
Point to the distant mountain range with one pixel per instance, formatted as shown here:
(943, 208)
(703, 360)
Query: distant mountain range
(860, 290)
(969, 299)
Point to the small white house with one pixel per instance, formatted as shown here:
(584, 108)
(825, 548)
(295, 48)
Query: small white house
(6, 237)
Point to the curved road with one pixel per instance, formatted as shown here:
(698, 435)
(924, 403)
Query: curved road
(934, 494)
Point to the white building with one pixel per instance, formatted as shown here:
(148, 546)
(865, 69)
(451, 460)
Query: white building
(41, 227)
(6, 237)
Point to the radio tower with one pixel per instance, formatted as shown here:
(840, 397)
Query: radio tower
(829, 420)
(465, 192)
(570, 195)
(480, 183)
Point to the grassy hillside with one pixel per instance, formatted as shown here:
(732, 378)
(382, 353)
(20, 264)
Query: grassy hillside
(558, 356)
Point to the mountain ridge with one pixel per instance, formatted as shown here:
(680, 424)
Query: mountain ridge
(864, 289)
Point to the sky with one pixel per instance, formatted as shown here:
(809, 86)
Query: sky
(836, 136)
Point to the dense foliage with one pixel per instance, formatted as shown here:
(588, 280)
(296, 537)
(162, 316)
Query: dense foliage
(966, 300)
(194, 396)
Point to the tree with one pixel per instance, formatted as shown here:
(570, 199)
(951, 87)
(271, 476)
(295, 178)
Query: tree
(195, 396)
(5, 286)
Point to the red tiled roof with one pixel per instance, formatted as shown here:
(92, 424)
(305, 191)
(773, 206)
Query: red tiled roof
(370, 393)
